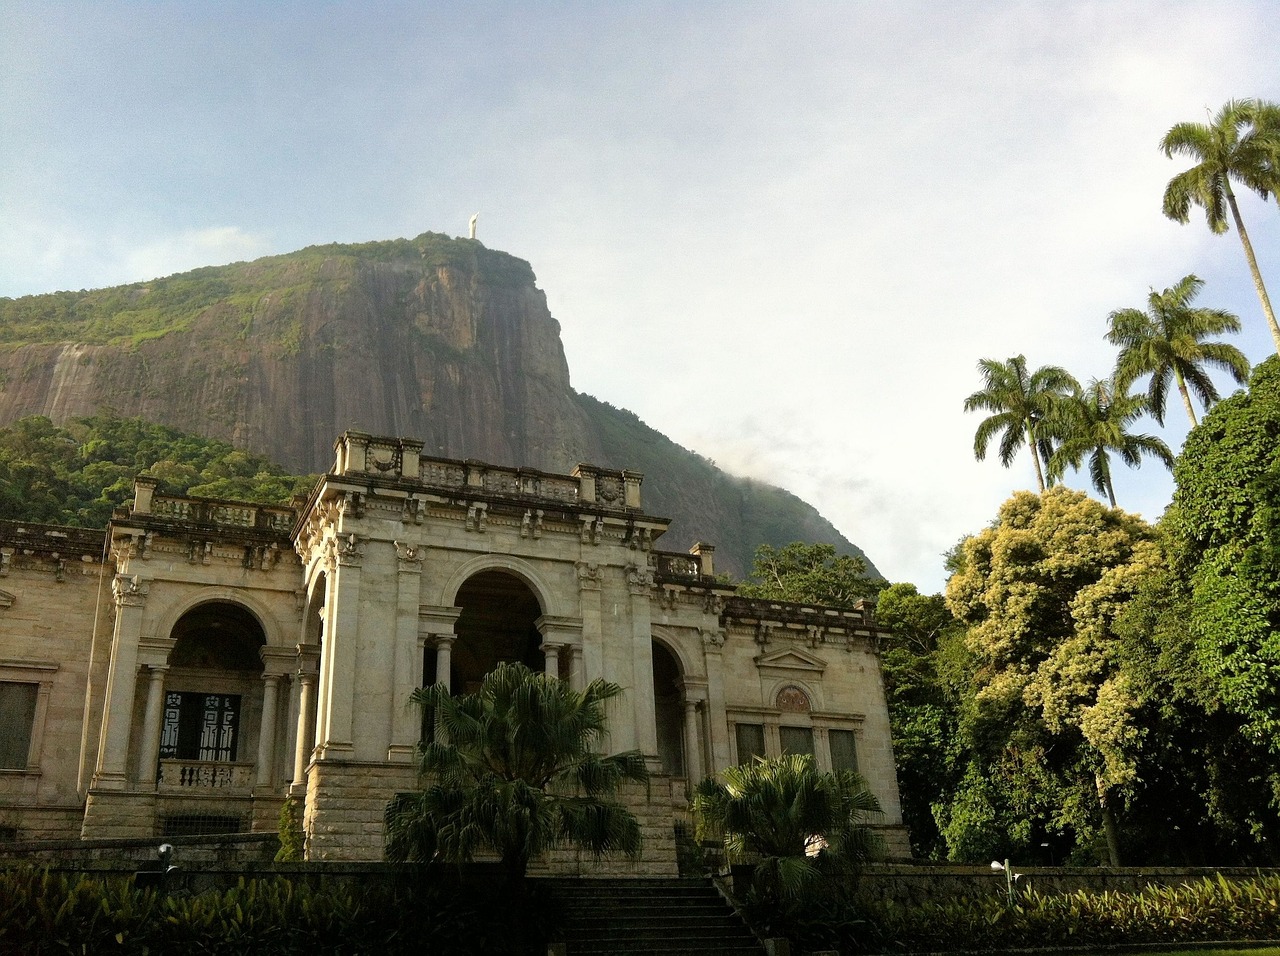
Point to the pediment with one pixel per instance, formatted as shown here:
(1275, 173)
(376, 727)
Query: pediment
(6, 600)
(791, 660)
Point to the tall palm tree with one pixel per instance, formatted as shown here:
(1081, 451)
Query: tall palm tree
(1093, 423)
(1020, 403)
(1166, 342)
(799, 822)
(1239, 143)
(514, 770)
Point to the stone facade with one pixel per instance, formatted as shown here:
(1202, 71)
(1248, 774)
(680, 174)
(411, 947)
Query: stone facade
(215, 658)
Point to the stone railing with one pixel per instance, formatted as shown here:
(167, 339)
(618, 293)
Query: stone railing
(223, 513)
(677, 566)
(402, 459)
(196, 775)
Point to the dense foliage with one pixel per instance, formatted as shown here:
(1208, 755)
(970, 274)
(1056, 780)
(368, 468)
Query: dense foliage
(433, 912)
(809, 574)
(798, 825)
(1219, 910)
(927, 672)
(77, 473)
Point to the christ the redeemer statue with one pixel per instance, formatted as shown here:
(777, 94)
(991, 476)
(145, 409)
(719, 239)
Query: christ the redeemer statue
(473, 224)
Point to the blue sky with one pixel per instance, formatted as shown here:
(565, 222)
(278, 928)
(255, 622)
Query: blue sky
(783, 234)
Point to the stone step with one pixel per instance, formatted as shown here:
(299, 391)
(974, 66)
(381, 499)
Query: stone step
(668, 916)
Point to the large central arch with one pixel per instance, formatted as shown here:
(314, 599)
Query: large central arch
(497, 623)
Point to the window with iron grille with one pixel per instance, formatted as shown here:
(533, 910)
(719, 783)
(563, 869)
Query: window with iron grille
(200, 726)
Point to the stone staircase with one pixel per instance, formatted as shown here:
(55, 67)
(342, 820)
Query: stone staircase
(669, 916)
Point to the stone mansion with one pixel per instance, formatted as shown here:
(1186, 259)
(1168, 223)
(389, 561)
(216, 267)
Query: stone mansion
(208, 660)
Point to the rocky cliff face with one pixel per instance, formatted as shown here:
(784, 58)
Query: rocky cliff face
(434, 338)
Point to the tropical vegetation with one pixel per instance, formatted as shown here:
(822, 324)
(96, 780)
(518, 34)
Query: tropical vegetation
(1021, 403)
(77, 473)
(801, 833)
(1093, 423)
(1167, 342)
(1240, 143)
(513, 769)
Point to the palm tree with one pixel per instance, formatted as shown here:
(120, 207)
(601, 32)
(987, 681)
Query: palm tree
(1020, 403)
(1239, 143)
(1092, 422)
(1166, 342)
(797, 821)
(514, 770)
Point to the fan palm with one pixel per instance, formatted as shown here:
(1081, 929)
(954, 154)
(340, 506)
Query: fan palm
(1166, 342)
(798, 821)
(1241, 142)
(514, 770)
(1020, 402)
(1093, 423)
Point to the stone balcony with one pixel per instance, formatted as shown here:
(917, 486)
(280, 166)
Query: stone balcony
(205, 776)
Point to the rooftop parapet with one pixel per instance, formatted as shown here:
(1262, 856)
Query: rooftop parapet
(205, 512)
(401, 459)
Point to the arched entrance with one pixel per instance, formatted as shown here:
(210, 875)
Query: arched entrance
(668, 709)
(498, 622)
(213, 690)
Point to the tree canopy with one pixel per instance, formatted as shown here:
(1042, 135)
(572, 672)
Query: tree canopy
(1028, 593)
(77, 473)
(1225, 520)
(808, 574)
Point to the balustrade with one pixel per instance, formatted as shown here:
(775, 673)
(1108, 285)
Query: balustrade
(192, 775)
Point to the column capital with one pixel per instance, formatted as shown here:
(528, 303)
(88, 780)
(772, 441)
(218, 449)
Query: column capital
(129, 590)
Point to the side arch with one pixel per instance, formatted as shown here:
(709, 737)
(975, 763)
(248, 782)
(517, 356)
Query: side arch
(692, 663)
(272, 628)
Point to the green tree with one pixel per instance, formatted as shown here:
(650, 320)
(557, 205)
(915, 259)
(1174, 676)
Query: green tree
(1019, 590)
(1167, 342)
(808, 574)
(1093, 423)
(1020, 403)
(800, 824)
(926, 669)
(1233, 145)
(1225, 521)
(77, 473)
(515, 770)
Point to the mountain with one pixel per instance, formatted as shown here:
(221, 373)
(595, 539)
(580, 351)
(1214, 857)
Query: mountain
(437, 338)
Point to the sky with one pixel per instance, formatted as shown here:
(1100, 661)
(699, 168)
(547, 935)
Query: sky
(783, 234)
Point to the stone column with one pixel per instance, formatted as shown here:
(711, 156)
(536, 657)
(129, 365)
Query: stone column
(551, 655)
(591, 650)
(337, 686)
(267, 731)
(122, 679)
(639, 584)
(559, 636)
(154, 715)
(435, 628)
(692, 744)
(577, 677)
(306, 726)
(719, 755)
(444, 660)
(405, 725)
